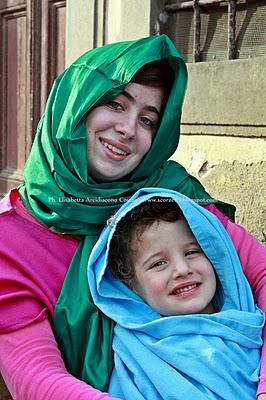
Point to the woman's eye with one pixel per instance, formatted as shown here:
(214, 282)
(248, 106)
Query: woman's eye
(114, 105)
(147, 122)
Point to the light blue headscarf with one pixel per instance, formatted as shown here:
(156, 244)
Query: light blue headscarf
(198, 356)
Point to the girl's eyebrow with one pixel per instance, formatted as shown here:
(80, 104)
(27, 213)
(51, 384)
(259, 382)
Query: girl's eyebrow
(148, 260)
(192, 242)
(133, 100)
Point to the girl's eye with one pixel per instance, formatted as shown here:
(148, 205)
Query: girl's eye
(115, 105)
(193, 251)
(159, 263)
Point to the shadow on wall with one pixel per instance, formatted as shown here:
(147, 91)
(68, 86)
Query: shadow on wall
(4, 394)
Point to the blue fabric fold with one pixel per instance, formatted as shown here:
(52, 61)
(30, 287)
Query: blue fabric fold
(198, 356)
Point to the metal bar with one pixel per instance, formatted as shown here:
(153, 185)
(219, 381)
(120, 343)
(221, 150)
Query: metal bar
(95, 23)
(197, 27)
(231, 29)
(105, 18)
(171, 8)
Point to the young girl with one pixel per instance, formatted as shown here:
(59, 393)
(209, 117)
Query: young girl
(180, 265)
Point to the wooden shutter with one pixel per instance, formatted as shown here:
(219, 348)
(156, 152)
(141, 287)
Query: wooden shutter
(32, 54)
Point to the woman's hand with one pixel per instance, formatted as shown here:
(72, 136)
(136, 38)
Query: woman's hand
(261, 396)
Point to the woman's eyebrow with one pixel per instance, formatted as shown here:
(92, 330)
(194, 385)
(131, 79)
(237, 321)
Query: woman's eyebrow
(133, 100)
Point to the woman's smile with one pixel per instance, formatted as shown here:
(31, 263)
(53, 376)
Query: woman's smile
(120, 132)
(114, 149)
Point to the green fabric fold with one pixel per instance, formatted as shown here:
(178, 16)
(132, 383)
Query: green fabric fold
(59, 191)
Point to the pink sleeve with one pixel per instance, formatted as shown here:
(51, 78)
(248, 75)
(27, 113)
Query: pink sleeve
(33, 264)
(252, 255)
(32, 367)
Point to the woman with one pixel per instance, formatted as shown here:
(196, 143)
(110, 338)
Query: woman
(71, 187)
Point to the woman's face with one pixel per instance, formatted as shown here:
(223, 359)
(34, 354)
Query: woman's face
(120, 132)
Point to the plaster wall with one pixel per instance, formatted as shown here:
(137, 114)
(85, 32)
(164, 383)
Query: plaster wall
(232, 169)
(79, 28)
(223, 140)
(127, 20)
(93, 23)
(226, 98)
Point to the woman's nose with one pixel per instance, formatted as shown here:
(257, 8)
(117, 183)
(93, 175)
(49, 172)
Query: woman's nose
(126, 126)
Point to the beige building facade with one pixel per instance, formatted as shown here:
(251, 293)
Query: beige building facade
(223, 140)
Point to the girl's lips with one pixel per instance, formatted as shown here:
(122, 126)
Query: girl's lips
(186, 289)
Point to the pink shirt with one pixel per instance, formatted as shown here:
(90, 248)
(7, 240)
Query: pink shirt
(34, 262)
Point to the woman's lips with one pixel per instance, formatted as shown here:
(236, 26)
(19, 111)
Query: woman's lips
(116, 150)
(185, 289)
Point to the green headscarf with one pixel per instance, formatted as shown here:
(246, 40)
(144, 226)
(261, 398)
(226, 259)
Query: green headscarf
(59, 191)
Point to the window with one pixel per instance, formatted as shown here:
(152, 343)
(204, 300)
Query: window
(213, 30)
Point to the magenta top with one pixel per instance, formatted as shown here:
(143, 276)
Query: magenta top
(34, 262)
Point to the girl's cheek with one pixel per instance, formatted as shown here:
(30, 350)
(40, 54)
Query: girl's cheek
(157, 285)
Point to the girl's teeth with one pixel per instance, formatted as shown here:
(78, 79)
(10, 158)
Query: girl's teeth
(185, 289)
(114, 149)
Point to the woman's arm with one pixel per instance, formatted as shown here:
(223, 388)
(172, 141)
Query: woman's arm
(32, 367)
(252, 255)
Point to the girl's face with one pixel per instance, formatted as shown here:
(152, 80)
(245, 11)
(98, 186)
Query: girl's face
(173, 275)
(120, 132)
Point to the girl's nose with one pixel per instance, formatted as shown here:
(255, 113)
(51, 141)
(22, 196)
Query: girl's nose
(181, 269)
(126, 126)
